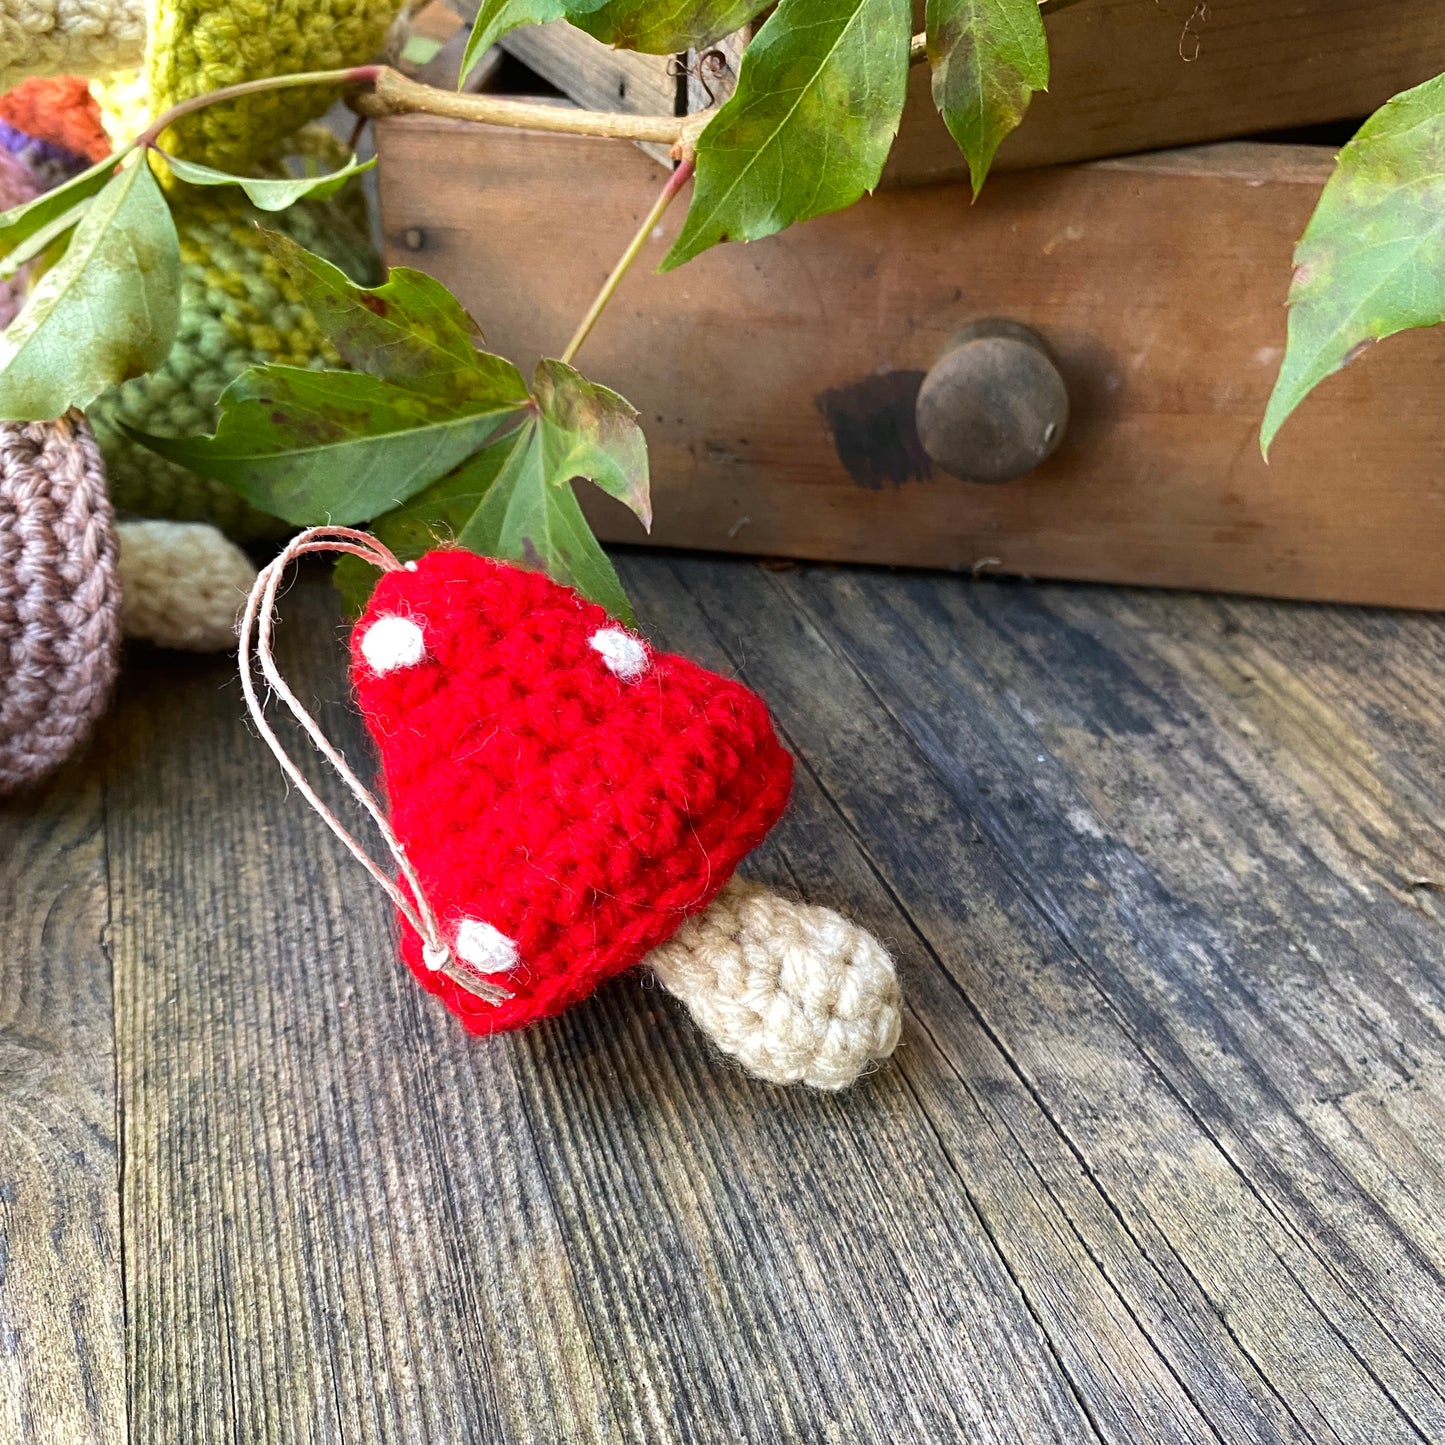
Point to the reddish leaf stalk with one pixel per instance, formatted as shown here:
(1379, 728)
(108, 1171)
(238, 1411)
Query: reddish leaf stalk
(355, 75)
(675, 182)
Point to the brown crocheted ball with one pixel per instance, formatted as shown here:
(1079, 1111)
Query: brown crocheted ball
(59, 597)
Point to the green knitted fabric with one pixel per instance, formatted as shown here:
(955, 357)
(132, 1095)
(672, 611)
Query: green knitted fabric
(238, 309)
(196, 46)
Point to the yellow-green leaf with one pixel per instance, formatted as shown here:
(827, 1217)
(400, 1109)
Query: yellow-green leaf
(988, 58)
(21, 222)
(44, 237)
(269, 193)
(105, 312)
(496, 17)
(654, 29)
(807, 131)
(1372, 260)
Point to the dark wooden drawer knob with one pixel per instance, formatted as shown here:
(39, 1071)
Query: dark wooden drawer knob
(994, 406)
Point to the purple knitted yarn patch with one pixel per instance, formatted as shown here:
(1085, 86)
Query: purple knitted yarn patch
(49, 163)
(17, 185)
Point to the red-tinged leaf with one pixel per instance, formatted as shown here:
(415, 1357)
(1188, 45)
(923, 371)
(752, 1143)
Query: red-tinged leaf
(410, 331)
(988, 58)
(316, 447)
(592, 432)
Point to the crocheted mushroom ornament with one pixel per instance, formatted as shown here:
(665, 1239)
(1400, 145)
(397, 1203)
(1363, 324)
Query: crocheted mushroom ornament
(566, 795)
(566, 802)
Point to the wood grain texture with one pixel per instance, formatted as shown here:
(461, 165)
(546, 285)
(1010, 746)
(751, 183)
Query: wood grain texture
(1131, 76)
(777, 381)
(1144, 908)
(1126, 75)
(593, 74)
(1158, 1159)
(508, 1235)
(62, 1342)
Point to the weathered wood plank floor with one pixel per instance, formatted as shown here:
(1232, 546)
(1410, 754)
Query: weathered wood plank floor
(1161, 1157)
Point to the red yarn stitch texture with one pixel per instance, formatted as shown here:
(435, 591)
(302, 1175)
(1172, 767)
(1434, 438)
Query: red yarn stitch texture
(581, 815)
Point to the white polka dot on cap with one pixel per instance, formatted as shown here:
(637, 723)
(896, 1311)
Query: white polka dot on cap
(393, 642)
(624, 654)
(487, 949)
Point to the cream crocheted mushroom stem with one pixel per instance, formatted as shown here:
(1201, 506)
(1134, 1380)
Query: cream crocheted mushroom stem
(794, 992)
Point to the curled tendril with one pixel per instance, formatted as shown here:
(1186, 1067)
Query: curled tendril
(712, 63)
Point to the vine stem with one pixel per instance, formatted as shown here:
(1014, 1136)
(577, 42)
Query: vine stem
(675, 182)
(355, 75)
(394, 94)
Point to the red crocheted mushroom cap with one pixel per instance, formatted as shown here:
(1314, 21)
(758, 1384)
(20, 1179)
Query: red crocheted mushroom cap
(566, 795)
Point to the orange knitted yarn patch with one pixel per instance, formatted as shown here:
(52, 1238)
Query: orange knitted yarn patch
(59, 109)
(566, 795)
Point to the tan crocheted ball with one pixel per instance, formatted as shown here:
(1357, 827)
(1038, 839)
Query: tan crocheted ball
(182, 584)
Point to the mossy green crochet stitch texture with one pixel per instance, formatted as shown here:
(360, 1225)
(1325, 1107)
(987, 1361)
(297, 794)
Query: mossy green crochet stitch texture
(238, 309)
(196, 46)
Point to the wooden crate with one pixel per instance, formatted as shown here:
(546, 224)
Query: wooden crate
(1128, 75)
(1135, 75)
(776, 380)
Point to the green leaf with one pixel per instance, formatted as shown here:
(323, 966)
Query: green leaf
(641, 25)
(1372, 260)
(530, 514)
(988, 58)
(592, 432)
(807, 131)
(316, 447)
(432, 518)
(654, 29)
(108, 309)
(269, 193)
(23, 221)
(533, 519)
(419, 49)
(496, 17)
(514, 499)
(43, 237)
(410, 331)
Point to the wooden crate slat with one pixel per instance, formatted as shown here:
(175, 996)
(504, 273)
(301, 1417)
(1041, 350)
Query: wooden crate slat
(775, 380)
(1127, 75)
(1130, 76)
(593, 74)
